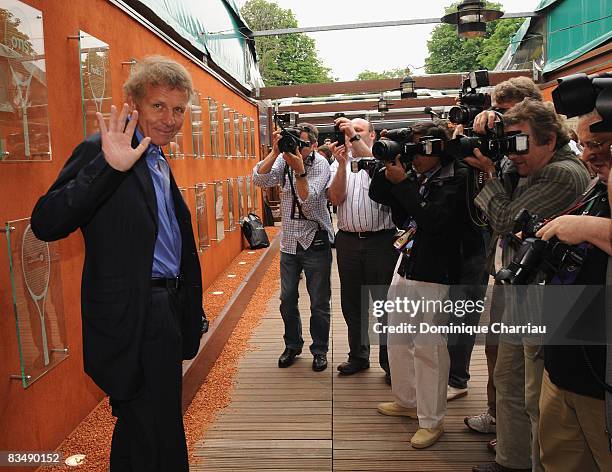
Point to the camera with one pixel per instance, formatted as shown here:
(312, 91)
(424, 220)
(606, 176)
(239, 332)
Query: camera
(495, 144)
(537, 256)
(399, 141)
(290, 140)
(394, 143)
(578, 94)
(471, 102)
(368, 164)
(339, 134)
(290, 133)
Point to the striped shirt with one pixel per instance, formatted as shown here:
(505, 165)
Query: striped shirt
(358, 213)
(314, 208)
(545, 193)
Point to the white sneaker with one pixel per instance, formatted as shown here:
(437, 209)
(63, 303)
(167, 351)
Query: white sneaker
(453, 393)
(483, 423)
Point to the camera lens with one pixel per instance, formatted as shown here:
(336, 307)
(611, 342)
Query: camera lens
(459, 115)
(386, 150)
(400, 134)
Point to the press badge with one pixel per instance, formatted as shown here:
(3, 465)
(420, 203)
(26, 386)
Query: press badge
(403, 243)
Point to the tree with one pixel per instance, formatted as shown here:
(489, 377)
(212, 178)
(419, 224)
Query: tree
(450, 53)
(287, 59)
(385, 74)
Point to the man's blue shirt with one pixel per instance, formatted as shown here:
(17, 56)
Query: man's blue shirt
(167, 256)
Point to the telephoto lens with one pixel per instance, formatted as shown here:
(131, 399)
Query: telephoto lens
(392, 144)
(386, 150)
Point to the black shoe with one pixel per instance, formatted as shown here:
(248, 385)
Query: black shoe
(388, 378)
(288, 357)
(319, 362)
(352, 367)
(495, 467)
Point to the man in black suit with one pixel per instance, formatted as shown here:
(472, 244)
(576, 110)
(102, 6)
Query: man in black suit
(141, 287)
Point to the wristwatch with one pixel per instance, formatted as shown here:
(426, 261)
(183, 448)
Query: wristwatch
(300, 176)
(357, 137)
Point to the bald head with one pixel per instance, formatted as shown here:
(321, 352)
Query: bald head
(365, 129)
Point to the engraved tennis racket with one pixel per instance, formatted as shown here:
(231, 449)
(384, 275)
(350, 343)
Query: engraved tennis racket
(21, 53)
(36, 265)
(96, 73)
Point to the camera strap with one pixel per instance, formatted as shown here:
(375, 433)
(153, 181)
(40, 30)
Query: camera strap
(296, 202)
(587, 199)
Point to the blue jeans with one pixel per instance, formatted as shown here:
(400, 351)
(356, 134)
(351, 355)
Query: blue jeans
(317, 268)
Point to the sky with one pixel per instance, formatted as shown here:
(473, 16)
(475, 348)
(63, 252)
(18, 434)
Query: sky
(348, 52)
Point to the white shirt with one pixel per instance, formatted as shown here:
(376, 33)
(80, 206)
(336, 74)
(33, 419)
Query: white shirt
(358, 213)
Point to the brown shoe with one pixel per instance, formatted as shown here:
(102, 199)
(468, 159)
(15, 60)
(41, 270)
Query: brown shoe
(425, 437)
(393, 409)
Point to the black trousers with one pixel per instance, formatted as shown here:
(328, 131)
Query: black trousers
(149, 434)
(364, 262)
(461, 345)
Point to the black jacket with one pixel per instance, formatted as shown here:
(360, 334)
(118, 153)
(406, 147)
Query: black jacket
(117, 214)
(568, 365)
(448, 248)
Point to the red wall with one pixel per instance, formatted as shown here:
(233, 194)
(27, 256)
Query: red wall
(39, 417)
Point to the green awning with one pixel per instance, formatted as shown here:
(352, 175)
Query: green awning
(545, 4)
(573, 28)
(561, 61)
(214, 27)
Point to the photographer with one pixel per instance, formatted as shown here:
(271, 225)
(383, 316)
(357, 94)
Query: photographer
(505, 95)
(364, 243)
(572, 409)
(427, 199)
(552, 178)
(306, 235)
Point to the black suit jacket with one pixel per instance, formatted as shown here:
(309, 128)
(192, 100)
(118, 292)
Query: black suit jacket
(448, 248)
(117, 214)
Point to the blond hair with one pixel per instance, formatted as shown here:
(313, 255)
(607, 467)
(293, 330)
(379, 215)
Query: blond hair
(157, 71)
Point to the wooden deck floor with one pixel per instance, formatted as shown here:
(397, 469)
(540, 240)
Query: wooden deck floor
(298, 420)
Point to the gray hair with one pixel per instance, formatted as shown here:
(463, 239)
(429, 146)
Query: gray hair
(157, 71)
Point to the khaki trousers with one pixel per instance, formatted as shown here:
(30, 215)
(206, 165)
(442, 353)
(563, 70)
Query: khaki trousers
(518, 380)
(419, 363)
(572, 431)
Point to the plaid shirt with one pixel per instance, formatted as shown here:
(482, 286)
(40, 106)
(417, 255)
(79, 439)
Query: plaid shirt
(546, 193)
(295, 229)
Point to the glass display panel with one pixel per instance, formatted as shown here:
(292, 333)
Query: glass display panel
(240, 184)
(176, 147)
(219, 211)
(24, 119)
(96, 84)
(227, 133)
(214, 127)
(202, 216)
(230, 204)
(252, 140)
(237, 133)
(255, 198)
(265, 139)
(245, 137)
(37, 301)
(197, 137)
(249, 195)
